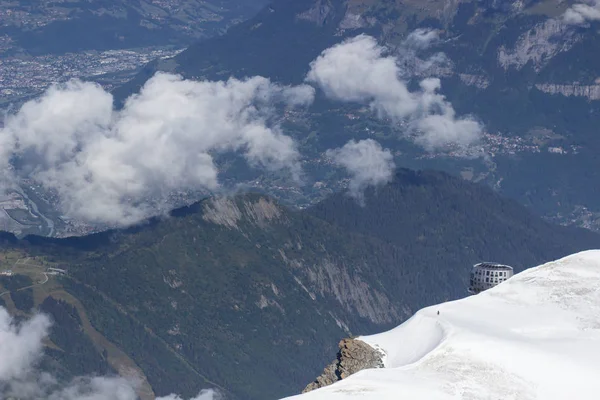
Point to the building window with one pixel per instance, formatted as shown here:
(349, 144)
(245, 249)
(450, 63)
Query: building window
(487, 279)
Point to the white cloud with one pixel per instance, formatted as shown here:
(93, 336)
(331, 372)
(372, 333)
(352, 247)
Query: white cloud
(581, 13)
(92, 388)
(21, 347)
(437, 120)
(119, 167)
(421, 39)
(358, 70)
(366, 162)
(412, 65)
(206, 394)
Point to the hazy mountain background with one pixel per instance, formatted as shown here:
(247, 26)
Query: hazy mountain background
(48, 42)
(50, 27)
(526, 69)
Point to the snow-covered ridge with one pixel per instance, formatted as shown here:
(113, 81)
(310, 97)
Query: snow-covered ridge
(535, 336)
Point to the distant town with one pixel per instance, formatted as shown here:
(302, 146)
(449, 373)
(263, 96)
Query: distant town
(23, 77)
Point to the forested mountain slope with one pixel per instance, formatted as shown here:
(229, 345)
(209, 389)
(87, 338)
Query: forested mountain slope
(220, 293)
(441, 218)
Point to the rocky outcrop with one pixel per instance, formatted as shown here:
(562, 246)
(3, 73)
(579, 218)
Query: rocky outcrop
(538, 45)
(591, 92)
(354, 356)
(333, 278)
(262, 212)
(222, 211)
(479, 81)
(229, 212)
(346, 285)
(318, 13)
(352, 21)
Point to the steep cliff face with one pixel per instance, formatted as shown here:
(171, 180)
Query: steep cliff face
(354, 356)
(318, 13)
(591, 92)
(226, 212)
(539, 44)
(333, 277)
(479, 81)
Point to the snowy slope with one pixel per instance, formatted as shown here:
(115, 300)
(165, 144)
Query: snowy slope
(535, 336)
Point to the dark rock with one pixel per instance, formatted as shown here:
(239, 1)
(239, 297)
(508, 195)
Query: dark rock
(354, 356)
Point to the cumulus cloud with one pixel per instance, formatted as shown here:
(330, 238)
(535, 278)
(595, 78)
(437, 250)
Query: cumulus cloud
(359, 70)
(21, 347)
(118, 167)
(367, 163)
(205, 394)
(20, 344)
(421, 38)
(437, 121)
(581, 13)
(410, 60)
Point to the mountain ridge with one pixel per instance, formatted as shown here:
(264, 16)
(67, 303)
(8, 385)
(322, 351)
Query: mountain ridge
(216, 291)
(48, 27)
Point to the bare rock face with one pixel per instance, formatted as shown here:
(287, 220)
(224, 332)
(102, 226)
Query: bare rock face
(354, 356)
(592, 92)
(318, 13)
(228, 213)
(539, 44)
(479, 81)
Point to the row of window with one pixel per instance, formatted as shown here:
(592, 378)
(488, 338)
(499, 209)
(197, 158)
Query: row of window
(492, 273)
(488, 280)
